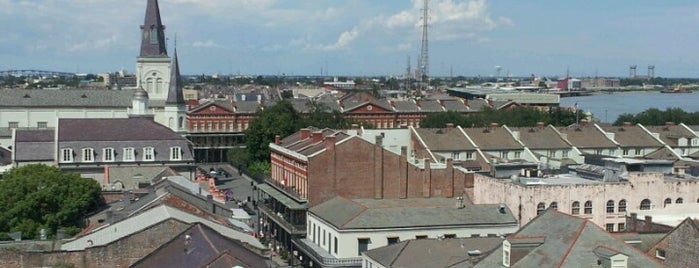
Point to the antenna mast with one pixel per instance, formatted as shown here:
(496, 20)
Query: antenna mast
(424, 63)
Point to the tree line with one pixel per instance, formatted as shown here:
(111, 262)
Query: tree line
(654, 116)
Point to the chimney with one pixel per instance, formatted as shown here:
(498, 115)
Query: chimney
(393, 103)
(669, 124)
(450, 126)
(465, 101)
(305, 133)
(583, 122)
(648, 224)
(127, 198)
(441, 103)
(490, 102)
(494, 126)
(379, 140)
(632, 222)
(277, 139)
(234, 104)
(627, 124)
(417, 102)
(540, 125)
(105, 181)
(330, 143)
(404, 151)
(210, 203)
(316, 136)
(108, 216)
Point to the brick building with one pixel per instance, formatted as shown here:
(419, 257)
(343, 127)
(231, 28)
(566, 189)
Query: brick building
(313, 165)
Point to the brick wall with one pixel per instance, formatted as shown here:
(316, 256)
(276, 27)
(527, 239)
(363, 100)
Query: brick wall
(359, 169)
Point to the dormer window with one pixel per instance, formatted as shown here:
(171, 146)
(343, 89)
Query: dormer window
(66, 155)
(175, 153)
(88, 155)
(149, 154)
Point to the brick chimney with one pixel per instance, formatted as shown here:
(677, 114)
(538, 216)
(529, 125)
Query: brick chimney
(627, 124)
(330, 143)
(540, 125)
(277, 139)
(648, 224)
(450, 126)
(417, 102)
(305, 133)
(633, 223)
(316, 136)
(441, 103)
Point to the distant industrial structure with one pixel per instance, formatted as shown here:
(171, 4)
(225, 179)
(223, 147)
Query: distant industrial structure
(651, 72)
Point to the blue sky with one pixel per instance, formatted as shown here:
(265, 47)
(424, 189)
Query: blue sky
(360, 37)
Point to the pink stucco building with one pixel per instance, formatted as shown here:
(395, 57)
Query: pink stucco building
(603, 202)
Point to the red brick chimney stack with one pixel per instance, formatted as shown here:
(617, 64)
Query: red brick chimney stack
(305, 133)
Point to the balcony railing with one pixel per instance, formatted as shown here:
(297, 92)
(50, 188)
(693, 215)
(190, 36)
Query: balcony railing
(282, 220)
(324, 260)
(291, 191)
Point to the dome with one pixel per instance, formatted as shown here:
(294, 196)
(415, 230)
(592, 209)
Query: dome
(140, 94)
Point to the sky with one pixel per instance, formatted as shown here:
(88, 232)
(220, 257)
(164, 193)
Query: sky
(360, 37)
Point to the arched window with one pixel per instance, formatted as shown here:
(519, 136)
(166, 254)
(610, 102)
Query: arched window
(540, 208)
(667, 202)
(610, 206)
(679, 200)
(645, 204)
(553, 205)
(575, 208)
(622, 205)
(588, 207)
(180, 122)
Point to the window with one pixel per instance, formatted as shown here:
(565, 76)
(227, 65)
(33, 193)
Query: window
(88, 155)
(67, 155)
(588, 207)
(621, 227)
(695, 142)
(42, 124)
(565, 153)
(575, 208)
(154, 35)
(553, 205)
(13, 124)
(108, 154)
(660, 253)
(469, 155)
(503, 154)
(175, 153)
(392, 240)
(455, 156)
(679, 200)
(129, 154)
(609, 227)
(148, 154)
(362, 245)
(518, 155)
(622, 205)
(667, 202)
(598, 151)
(625, 152)
(506, 253)
(449, 235)
(335, 246)
(637, 151)
(610, 206)
(540, 208)
(645, 204)
(323, 236)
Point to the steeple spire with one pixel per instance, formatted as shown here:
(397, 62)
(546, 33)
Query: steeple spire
(153, 32)
(174, 94)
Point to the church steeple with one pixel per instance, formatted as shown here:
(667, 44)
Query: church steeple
(174, 94)
(153, 32)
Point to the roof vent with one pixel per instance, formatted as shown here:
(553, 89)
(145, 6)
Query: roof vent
(501, 209)
(83, 96)
(27, 95)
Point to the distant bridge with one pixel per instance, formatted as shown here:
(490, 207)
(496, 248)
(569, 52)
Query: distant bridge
(34, 73)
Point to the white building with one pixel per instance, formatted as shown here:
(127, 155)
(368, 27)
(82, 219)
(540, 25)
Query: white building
(340, 230)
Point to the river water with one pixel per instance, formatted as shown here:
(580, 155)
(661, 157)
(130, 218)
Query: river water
(608, 107)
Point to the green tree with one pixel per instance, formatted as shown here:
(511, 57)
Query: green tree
(280, 119)
(37, 196)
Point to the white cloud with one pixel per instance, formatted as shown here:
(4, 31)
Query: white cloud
(205, 44)
(92, 45)
(448, 20)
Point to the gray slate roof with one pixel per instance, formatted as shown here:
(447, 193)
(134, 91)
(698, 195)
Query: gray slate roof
(444, 139)
(563, 241)
(114, 129)
(433, 252)
(34, 145)
(90, 98)
(403, 213)
(541, 138)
